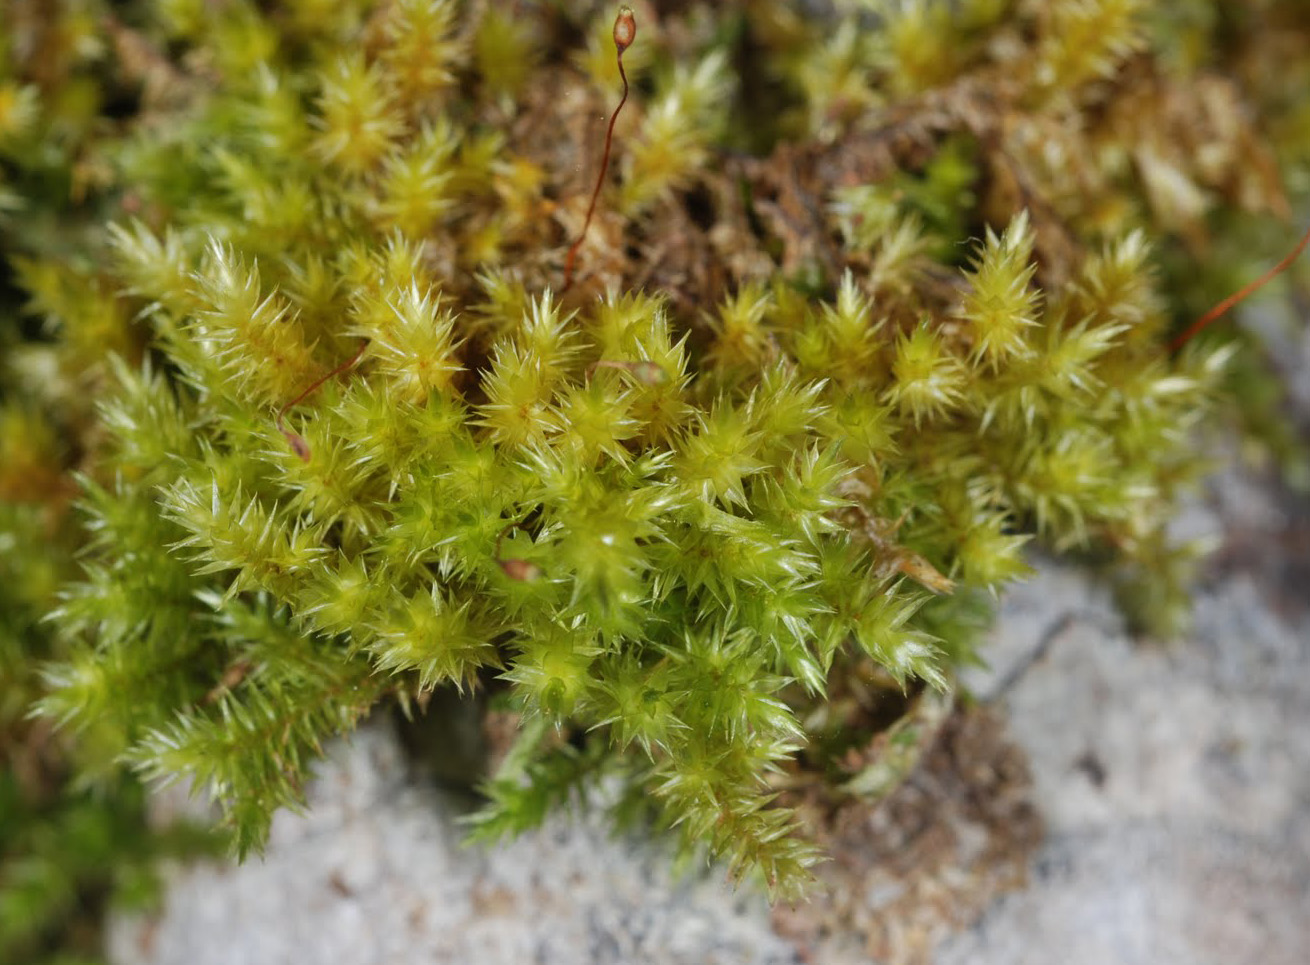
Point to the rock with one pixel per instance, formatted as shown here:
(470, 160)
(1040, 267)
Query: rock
(1174, 782)
(375, 872)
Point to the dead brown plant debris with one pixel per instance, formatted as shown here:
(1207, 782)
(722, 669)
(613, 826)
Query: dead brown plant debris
(928, 859)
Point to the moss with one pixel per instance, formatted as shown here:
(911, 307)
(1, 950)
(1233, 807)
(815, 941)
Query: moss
(784, 430)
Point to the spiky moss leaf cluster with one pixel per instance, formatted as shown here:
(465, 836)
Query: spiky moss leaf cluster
(66, 850)
(669, 528)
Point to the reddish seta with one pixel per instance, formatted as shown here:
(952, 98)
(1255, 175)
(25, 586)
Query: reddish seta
(294, 439)
(625, 32)
(1214, 314)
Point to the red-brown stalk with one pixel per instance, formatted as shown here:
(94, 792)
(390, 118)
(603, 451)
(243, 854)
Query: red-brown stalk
(625, 32)
(1219, 310)
(297, 442)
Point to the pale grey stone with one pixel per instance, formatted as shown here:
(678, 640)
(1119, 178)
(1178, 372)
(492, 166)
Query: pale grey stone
(1174, 781)
(375, 872)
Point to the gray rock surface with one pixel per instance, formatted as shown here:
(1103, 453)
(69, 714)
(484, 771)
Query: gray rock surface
(1174, 780)
(1175, 784)
(375, 872)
